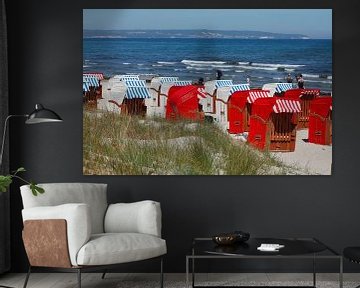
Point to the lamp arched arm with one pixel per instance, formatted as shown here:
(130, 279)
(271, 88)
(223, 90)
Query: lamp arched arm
(4, 134)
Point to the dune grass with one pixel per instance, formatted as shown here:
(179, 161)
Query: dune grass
(124, 145)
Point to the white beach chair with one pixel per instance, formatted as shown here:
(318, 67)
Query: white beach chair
(112, 90)
(208, 103)
(277, 87)
(159, 88)
(221, 103)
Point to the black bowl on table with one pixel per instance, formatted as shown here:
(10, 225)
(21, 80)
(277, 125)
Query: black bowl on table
(231, 238)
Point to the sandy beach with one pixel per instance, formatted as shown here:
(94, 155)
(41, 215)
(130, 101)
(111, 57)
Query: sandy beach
(308, 158)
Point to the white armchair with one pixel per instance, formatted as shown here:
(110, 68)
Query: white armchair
(72, 228)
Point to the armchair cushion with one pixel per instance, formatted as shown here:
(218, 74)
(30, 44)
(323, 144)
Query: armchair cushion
(113, 248)
(92, 194)
(138, 217)
(78, 221)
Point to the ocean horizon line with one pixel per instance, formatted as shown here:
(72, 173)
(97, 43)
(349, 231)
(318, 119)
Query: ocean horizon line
(202, 33)
(189, 33)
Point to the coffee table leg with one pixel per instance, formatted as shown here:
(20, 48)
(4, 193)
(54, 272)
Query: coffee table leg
(341, 273)
(193, 272)
(314, 271)
(187, 272)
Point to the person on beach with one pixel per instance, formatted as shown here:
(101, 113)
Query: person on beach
(289, 79)
(248, 79)
(300, 81)
(200, 82)
(219, 74)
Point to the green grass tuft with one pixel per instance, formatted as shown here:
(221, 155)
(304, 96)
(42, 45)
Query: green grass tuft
(122, 145)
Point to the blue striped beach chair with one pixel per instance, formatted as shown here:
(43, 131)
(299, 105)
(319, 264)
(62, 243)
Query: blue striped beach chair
(135, 95)
(125, 77)
(168, 79)
(239, 87)
(282, 87)
(136, 89)
(91, 79)
(277, 88)
(91, 88)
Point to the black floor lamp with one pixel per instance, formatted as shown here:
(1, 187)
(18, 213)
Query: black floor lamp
(39, 115)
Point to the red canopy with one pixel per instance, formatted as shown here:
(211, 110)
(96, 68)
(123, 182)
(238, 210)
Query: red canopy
(255, 94)
(321, 106)
(286, 106)
(263, 107)
(183, 102)
(239, 98)
(298, 93)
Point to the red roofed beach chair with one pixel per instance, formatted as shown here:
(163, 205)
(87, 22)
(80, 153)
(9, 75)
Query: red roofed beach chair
(273, 125)
(320, 121)
(239, 109)
(183, 103)
(305, 96)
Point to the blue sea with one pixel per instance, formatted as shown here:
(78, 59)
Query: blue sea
(262, 60)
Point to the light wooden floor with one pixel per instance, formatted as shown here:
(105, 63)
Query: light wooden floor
(116, 280)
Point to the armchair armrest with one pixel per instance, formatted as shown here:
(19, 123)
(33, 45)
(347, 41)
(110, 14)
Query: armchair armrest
(138, 217)
(78, 225)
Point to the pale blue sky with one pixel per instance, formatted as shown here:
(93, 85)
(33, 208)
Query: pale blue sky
(316, 23)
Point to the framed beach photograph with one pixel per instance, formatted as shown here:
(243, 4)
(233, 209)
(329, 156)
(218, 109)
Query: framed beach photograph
(207, 91)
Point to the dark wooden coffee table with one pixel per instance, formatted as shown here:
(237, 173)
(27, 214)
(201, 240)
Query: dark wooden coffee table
(294, 248)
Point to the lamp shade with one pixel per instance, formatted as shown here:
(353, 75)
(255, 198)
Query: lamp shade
(42, 115)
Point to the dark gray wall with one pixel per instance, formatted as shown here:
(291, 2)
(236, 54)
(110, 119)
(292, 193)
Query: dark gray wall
(45, 39)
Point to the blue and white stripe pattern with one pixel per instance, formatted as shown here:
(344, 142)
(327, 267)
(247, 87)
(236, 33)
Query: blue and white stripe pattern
(129, 77)
(168, 79)
(90, 80)
(182, 83)
(223, 83)
(282, 87)
(135, 83)
(136, 89)
(239, 87)
(86, 86)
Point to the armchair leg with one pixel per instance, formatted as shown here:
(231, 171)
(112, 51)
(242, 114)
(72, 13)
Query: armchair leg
(161, 273)
(27, 277)
(79, 277)
(103, 275)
